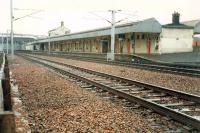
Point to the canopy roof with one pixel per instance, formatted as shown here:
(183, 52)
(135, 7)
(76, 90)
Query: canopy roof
(150, 25)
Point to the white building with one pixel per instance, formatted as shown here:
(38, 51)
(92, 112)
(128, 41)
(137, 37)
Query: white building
(28, 46)
(178, 37)
(61, 30)
(19, 41)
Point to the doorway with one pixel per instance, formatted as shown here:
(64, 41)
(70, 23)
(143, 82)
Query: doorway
(104, 46)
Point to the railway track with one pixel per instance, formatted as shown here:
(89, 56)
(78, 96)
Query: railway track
(161, 67)
(180, 106)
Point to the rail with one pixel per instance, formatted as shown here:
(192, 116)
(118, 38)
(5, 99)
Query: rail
(152, 66)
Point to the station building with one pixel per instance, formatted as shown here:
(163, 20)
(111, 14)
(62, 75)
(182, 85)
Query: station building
(142, 37)
(136, 37)
(178, 36)
(61, 30)
(196, 36)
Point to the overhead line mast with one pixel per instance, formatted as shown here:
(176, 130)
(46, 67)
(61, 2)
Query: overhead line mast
(111, 55)
(113, 35)
(13, 19)
(113, 22)
(11, 33)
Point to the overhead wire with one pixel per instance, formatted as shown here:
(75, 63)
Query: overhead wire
(28, 15)
(100, 17)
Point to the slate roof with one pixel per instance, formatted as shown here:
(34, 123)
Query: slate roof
(177, 26)
(191, 22)
(195, 24)
(150, 25)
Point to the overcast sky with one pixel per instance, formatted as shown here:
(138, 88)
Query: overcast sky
(78, 14)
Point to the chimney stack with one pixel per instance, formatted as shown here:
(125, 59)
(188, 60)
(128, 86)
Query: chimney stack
(62, 23)
(175, 18)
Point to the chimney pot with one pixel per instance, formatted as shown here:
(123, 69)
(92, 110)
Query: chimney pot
(175, 18)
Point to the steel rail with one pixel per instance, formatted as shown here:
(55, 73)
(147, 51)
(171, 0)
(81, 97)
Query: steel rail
(168, 68)
(173, 92)
(176, 115)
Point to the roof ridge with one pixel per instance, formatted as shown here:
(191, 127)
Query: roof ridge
(190, 20)
(58, 28)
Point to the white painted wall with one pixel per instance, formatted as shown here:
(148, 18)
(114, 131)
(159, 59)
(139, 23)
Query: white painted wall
(175, 40)
(29, 47)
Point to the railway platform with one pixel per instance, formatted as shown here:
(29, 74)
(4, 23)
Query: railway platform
(182, 58)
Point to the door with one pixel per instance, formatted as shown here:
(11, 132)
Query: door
(149, 46)
(104, 46)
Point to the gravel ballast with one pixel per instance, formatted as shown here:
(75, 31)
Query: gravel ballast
(56, 105)
(172, 81)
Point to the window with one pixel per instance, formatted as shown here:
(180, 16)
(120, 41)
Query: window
(121, 36)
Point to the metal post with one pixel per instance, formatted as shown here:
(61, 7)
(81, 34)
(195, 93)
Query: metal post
(7, 43)
(113, 36)
(11, 35)
(2, 41)
(49, 45)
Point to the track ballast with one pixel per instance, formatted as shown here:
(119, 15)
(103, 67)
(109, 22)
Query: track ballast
(177, 105)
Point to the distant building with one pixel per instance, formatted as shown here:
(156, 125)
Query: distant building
(19, 41)
(61, 30)
(195, 24)
(178, 37)
(196, 36)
